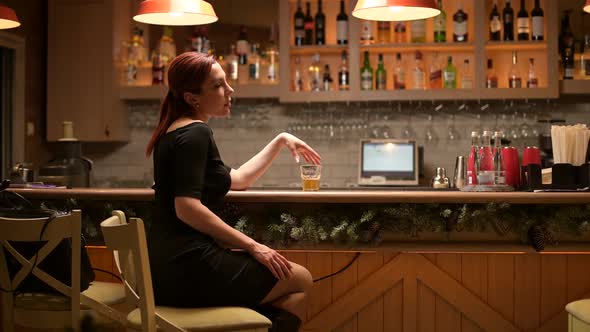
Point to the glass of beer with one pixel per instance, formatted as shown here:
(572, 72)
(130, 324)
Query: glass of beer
(310, 177)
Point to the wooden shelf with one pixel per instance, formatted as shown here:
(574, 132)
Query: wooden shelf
(321, 49)
(522, 93)
(516, 46)
(411, 47)
(321, 96)
(157, 92)
(574, 87)
(413, 94)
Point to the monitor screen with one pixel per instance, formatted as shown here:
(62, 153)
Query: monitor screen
(388, 162)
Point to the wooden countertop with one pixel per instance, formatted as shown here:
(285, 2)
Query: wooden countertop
(326, 196)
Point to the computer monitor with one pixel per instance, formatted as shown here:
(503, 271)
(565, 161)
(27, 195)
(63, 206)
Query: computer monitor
(388, 162)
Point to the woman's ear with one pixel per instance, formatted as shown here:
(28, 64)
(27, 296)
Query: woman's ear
(191, 99)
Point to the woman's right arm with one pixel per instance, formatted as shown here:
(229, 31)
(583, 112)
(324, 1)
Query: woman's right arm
(192, 212)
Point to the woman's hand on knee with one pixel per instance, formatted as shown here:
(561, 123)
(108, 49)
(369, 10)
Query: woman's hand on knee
(275, 262)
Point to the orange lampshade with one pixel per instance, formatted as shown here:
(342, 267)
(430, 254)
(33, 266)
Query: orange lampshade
(175, 12)
(395, 10)
(8, 19)
(587, 6)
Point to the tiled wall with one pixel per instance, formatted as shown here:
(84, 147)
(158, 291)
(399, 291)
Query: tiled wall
(334, 131)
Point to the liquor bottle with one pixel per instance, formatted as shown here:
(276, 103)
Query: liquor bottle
(367, 74)
(399, 32)
(466, 76)
(198, 39)
(508, 20)
(568, 64)
(418, 75)
(327, 79)
(342, 26)
(313, 71)
(585, 59)
(157, 68)
(537, 16)
(499, 168)
(136, 55)
(450, 75)
(522, 23)
(308, 24)
(383, 31)
(232, 64)
(435, 73)
(532, 80)
(299, 25)
(167, 46)
(254, 64)
(242, 46)
(440, 25)
(418, 31)
(495, 23)
(514, 79)
(343, 74)
(272, 53)
(297, 76)
(485, 174)
(460, 24)
(381, 75)
(491, 77)
(473, 159)
(566, 37)
(367, 32)
(320, 26)
(399, 74)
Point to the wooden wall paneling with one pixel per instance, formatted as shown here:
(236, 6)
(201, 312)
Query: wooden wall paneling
(319, 264)
(410, 293)
(527, 290)
(343, 282)
(393, 301)
(426, 302)
(474, 276)
(501, 284)
(370, 318)
(578, 276)
(553, 284)
(448, 318)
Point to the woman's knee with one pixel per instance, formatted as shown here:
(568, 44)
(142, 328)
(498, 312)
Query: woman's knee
(302, 277)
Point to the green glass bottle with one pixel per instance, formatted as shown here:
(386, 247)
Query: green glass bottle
(450, 75)
(367, 74)
(440, 25)
(381, 75)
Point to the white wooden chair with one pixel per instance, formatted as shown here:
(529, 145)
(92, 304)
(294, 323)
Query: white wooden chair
(578, 316)
(40, 310)
(128, 242)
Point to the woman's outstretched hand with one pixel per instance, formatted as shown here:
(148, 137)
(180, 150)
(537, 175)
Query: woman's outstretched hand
(299, 147)
(275, 262)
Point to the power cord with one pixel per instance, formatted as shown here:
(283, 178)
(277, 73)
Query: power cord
(108, 272)
(356, 256)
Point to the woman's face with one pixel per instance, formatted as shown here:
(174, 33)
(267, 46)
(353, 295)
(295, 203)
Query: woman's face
(215, 97)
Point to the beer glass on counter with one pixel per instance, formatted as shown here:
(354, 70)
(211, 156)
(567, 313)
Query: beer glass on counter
(310, 177)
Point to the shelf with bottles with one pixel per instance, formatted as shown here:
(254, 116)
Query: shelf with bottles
(158, 92)
(318, 23)
(424, 47)
(515, 46)
(574, 87)
(321, 49)
(520, 70)
(516, 21)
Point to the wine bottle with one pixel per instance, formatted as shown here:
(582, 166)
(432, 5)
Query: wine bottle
(299, 25)
(522, 22)
(450, 75)
(537, 32)
(320, 26)
(508, 20)
(308, 24)
(342, 26)
(440, 25)
(381, 75)
(343, 74)
(495, 23)
(367, 74)
(460, 24)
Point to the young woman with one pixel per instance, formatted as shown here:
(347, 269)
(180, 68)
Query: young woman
(189, 267)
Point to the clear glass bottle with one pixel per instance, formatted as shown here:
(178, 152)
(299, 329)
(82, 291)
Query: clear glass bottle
(367, 32)
(383, 31)
(272, 53)
(440, 24)
(514, 78)
(232, 64)
(466, 76)
(381, 75)
(418, 75)
(499, 168)
(343, 74)
(418, 31)
(491, 77)
(242, 46)
(313, 73)
(485, 173)
(254, 63)
(450, 75)
(297, 76)
(367, 74)
(532, 80)
(435, 73)
(399, 74)
(327, 79)
(473, 159)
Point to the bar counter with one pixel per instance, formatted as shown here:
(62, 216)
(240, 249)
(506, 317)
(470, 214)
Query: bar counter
(325, 196)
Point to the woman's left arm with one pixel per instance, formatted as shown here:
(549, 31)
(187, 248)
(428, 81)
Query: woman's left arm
(254, 168)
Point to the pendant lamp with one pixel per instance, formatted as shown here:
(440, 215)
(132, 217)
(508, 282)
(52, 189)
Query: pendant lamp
(587, 6)
(175, 12)
(8, 19)
(395, 10)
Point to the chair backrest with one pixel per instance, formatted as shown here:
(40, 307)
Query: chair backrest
(128, 242)
(53, 232)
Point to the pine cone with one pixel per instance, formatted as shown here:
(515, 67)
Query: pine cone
(537, 238)
(379, 236)
(366, 236)
(374, 227)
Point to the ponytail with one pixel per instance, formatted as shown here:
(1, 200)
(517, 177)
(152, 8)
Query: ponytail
(163, 124)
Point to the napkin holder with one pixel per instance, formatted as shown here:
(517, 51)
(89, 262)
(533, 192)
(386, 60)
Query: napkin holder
(563, 177)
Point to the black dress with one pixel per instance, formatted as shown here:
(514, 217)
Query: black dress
(189, 269)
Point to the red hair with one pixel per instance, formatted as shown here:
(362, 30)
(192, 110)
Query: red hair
(187, 73)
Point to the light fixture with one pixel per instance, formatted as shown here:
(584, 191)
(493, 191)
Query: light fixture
(587, 6)
(175, 12)
(8, 19)
(395, 10)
